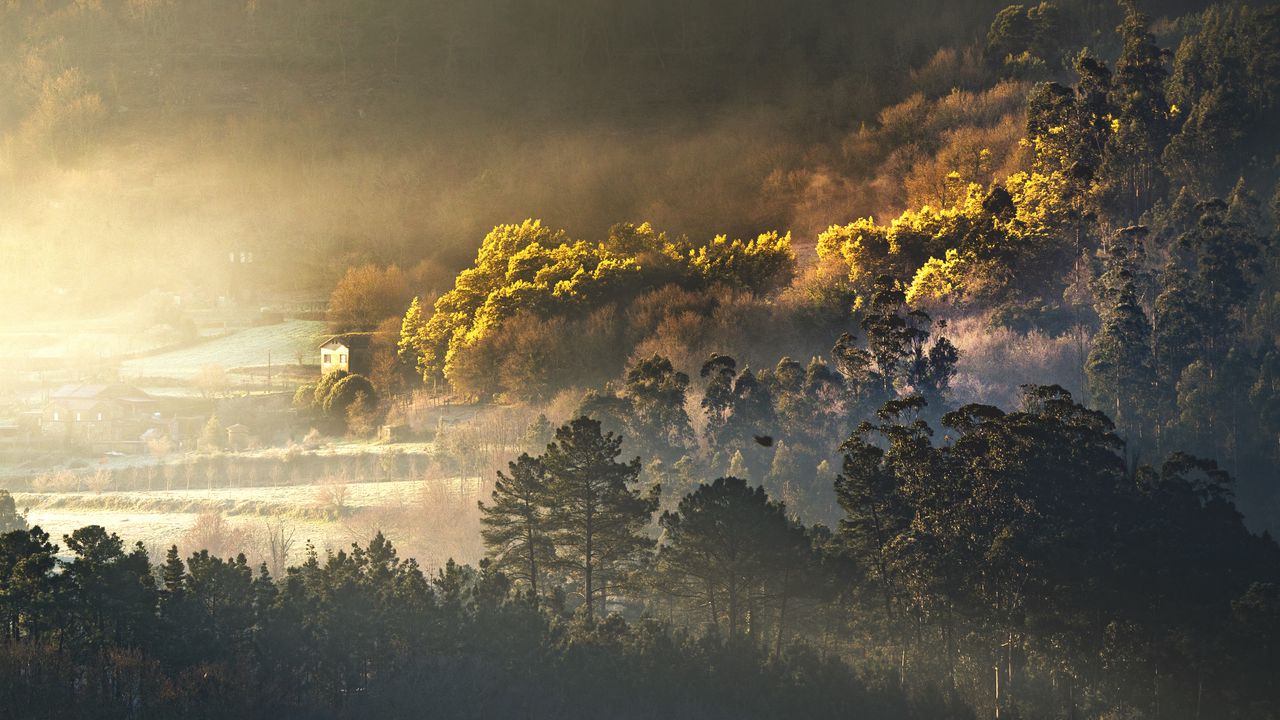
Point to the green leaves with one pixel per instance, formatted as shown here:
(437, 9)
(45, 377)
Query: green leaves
(1120, 368)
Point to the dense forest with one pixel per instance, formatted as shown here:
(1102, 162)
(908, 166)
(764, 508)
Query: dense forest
(992, 431)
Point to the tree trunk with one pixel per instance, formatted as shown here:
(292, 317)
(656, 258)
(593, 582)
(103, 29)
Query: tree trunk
(782, 620)
(733, 606)
(711, 603)
(997, 691)
(587, 587)
(533, 563)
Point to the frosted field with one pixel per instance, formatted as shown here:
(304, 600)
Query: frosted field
(87, 345)
(429, 520)
(286, 343)
(82, 339)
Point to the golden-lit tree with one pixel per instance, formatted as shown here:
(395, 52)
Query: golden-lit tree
(532, 270)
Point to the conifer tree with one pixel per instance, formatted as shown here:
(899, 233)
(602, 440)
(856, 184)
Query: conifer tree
(173, 573)
(515, 524)
(726, 544)
(597, 517)
(1120, 369)
(1141, 124)
(408, 347)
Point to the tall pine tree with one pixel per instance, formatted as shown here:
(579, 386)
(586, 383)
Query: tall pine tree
(597, 517)
(514, 524)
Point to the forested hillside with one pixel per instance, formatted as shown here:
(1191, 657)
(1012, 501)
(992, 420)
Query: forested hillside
(1131, 237)
(323, 134)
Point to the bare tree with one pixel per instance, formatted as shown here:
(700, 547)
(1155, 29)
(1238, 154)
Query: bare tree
(279, 543)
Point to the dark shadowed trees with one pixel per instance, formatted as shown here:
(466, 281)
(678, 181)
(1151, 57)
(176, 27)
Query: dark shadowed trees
(728, 548)
(515, 523)
(597, 515)
(1120, 369)
(657, 393)
(113, 590)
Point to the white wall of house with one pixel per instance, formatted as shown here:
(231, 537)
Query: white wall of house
(334, 356)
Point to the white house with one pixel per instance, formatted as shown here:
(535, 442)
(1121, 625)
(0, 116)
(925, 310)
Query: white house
(349, 352)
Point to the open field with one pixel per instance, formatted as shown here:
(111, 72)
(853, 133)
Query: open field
(429, 520)
(125, 331)
(292, 342)
(158, 358)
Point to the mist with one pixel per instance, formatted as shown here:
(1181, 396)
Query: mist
(398, 132)
(663, 359)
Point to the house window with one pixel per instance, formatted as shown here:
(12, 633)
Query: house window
(56, 416)
(99, 416)
(342, 358)
(77, 417)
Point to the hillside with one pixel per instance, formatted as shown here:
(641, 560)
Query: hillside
(337, 132)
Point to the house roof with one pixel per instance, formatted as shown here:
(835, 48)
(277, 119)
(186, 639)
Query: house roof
(89, 391)
(76, 403)
(355, 341)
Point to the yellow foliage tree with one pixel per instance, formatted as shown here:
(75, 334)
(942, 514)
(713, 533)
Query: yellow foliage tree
(529, 268)
(977, 249)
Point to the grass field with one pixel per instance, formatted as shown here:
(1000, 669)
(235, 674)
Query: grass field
(292, 342)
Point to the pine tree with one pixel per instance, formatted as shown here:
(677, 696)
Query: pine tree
(515, 524)
(408, 348)
(596, 516)
(28, 585)
(173, 573)
(730, 547)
